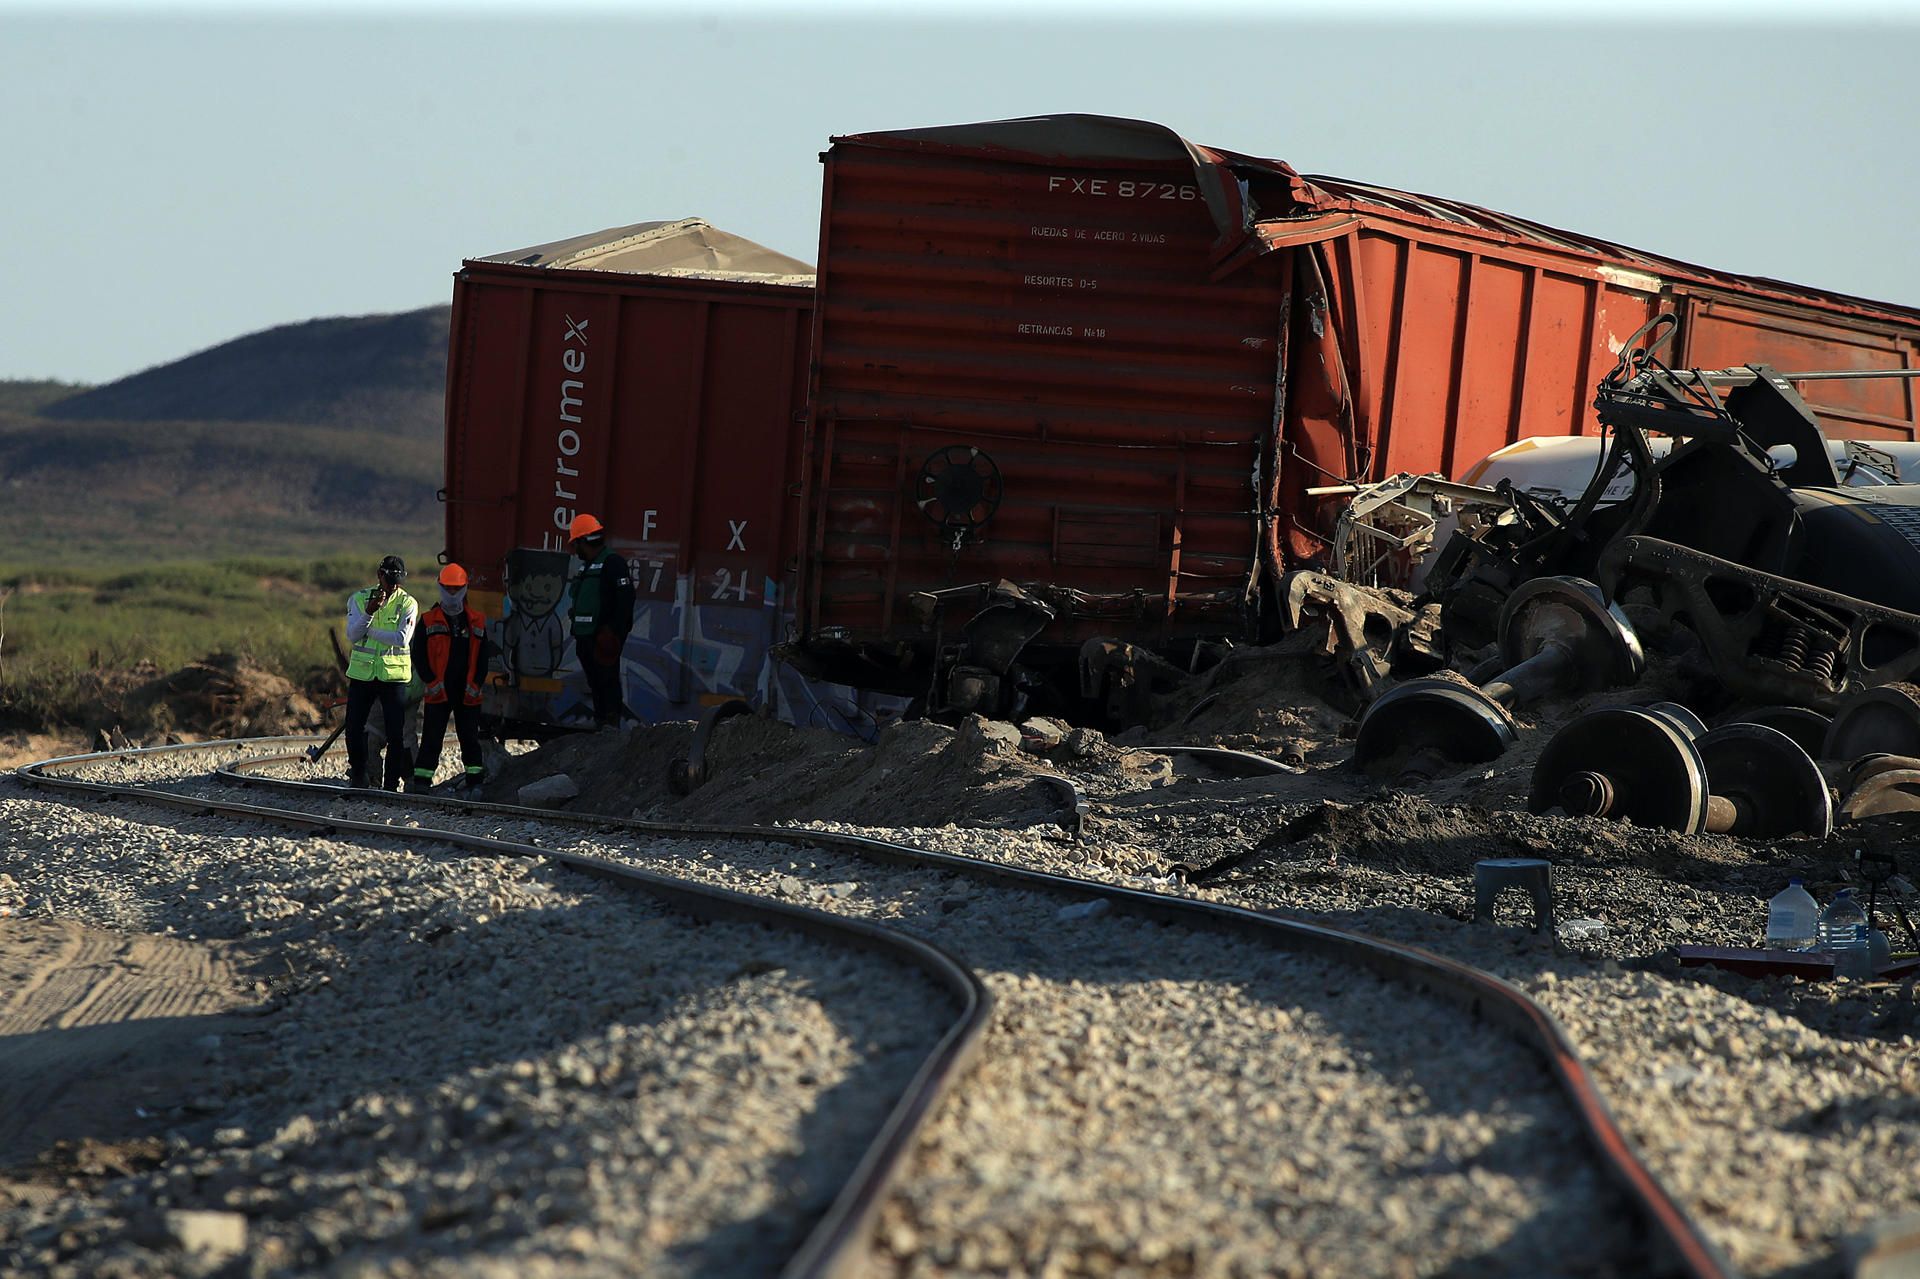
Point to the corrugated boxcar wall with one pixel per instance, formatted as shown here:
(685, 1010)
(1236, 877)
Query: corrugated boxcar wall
(1058, 316)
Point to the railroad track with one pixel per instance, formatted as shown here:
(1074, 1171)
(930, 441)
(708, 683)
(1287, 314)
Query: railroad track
(1239, 973)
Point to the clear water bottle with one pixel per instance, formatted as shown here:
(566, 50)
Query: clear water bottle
(1793, 919)
(1843, 931)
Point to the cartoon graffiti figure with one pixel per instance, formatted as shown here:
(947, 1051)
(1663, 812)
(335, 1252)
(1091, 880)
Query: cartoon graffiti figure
(533, 636)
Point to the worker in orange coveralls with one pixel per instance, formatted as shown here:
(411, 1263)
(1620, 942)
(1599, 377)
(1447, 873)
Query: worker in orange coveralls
(450, 657)
(602, 609)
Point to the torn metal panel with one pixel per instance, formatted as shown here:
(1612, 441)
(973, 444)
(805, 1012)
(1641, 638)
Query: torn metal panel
(1320, 434)
(1366, 631)
(1740, 528)
(1385, 532)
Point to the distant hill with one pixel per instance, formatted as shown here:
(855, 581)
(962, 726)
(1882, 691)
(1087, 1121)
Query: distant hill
(380, 373)
(307, 440)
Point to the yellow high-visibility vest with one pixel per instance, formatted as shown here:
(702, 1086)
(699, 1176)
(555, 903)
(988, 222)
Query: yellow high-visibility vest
(374, 659)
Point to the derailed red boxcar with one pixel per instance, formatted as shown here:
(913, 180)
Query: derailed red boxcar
(1076, 355)
(1103, 365)
(653, 375)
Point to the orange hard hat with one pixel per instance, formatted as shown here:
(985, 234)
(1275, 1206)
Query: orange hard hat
(453, 577)
(583, 526)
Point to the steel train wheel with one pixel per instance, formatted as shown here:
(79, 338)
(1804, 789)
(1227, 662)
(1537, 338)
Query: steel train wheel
(1808, 728)
(1775, 785)
(1885, 718)
(1685, 720)
(1624, 763)
(1572, 612)
(1455, 720)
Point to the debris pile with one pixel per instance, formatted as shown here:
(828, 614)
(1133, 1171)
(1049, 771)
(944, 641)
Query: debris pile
(915, 773)
(1716, 638)
(221, 695)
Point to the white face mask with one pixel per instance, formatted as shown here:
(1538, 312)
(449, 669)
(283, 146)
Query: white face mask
(453, 601)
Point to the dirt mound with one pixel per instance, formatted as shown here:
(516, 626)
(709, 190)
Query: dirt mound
(1377, 834)
(1272, 700)
(1396, 830)
(222, 695)
(917, 773)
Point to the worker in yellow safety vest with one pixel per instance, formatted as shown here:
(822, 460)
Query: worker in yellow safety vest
(380, 622)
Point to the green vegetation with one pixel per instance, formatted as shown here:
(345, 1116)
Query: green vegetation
(227, 502)
(30, 397)
(67, 633)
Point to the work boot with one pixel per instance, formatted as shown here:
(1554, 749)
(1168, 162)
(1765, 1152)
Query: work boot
(356, 779)
(418, 785)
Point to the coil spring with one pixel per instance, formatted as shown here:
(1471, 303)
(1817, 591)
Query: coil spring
(1792, 650)
(1822, 665)
(1799, 648)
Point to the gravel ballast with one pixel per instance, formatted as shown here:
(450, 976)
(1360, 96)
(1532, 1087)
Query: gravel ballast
(464, 1065)
(1781, 1114)
(1158, 1100)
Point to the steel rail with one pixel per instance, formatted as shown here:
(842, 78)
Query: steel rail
(1074, 799)
(836, 1247)
(1239, 763)
(1481, 993)
(1675, 1233)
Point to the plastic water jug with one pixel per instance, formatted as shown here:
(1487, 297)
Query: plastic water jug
(1843, 930)
(1879, 949)
(1793, 919)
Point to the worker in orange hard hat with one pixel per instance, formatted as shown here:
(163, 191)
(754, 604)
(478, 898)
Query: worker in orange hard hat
(450, 655)
(602, 608)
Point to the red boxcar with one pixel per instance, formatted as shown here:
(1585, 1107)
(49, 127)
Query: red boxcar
(1091, 358)
(653, 375)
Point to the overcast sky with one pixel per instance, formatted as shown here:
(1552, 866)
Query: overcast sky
(174, 180)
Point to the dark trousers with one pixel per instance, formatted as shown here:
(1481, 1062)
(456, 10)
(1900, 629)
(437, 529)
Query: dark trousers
(361, 695)
(603, 681)
(433, 730)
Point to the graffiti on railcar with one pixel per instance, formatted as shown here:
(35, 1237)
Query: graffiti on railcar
(533, 628)
(687, 650)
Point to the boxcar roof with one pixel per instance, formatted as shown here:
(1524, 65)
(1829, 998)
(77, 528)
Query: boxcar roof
(687, 248)
(1261, 203)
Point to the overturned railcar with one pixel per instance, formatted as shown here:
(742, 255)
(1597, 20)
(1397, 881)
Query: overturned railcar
(653, 375)
(1076, 380)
